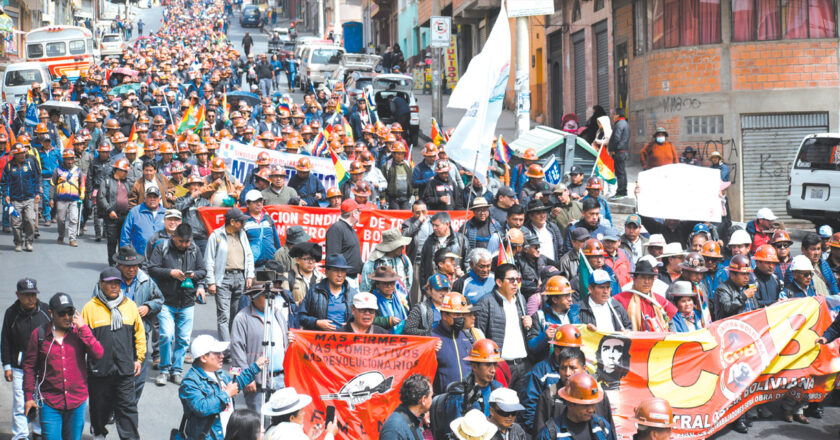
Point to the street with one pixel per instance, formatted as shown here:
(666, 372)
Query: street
(61, 268)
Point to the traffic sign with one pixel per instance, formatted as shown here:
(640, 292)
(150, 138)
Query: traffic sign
(441, 31)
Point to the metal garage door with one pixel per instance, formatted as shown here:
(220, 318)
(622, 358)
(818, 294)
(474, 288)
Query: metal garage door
(769, 144)
(579, 47)
(603, 65)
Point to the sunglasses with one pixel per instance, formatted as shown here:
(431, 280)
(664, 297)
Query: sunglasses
(514, 280)
(503, 413)
(67, 312)
(781, 245)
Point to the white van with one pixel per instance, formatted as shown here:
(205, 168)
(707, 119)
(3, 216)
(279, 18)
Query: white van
(18, 79)
(814, 190)
(319, 61)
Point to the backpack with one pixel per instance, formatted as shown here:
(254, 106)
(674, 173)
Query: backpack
(438, 415)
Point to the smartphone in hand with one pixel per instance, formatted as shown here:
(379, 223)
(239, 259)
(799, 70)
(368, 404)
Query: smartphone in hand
(330, 417)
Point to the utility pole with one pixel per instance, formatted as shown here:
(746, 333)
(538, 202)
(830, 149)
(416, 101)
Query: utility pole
(320, 18)
(523, 86)
(337, 31)
(437, 101)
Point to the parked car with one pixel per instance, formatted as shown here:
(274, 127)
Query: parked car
(111, 45)
(283, 32)
(814, 189)
(18, 79)
(251, 16)
(385, 86)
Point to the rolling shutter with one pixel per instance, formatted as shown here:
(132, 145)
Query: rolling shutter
(579, 43)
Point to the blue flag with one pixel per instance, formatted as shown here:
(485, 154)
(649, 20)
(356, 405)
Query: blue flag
(31, 115)
(553, 174)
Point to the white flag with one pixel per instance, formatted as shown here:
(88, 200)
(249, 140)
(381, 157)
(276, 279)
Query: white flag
(481, 90)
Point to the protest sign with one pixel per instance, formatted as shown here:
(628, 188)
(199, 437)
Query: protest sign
(240, 159)
(680, 192)
(316, 221)
(359, 374)
(712, 376)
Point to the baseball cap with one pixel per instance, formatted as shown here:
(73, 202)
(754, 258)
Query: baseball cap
(153, 190)
(633, 219)
(599, 277)
(172, 213)
(110, 274)
(365, 300)
(612, 235)
(27, 285)
(575, 170)
(349, 205)
(439, 281)
(235, 214)
(60, 302)
(505, 191)
(580, 234)
(204, 344)
(766, 214)
(506, 399)
(825, 231)
(559, 188)
(253, 195)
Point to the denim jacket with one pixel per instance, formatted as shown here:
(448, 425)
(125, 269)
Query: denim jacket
(204, 399)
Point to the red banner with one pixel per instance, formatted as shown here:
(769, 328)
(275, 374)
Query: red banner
(359, 374)
(712, 376)
(316, 221)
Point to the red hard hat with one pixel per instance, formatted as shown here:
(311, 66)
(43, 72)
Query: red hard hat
(122, 164)
(740, 263)
(594, 183)
(781, 236)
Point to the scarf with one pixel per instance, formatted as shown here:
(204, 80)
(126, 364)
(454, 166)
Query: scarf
(658, 322)
(113, 306)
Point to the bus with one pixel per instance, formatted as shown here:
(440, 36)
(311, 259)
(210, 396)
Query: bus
(66, 50)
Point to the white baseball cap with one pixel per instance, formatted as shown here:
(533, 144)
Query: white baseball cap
(365, 300)
(740, 237)
(766, 214)
(253, 195)
(801, 262)
(825, 231)
(506, 399)
(204, 344)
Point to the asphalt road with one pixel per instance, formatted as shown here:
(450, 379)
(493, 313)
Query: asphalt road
(75, 271)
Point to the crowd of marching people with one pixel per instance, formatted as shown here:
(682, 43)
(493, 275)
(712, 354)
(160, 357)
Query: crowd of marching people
(507, 293)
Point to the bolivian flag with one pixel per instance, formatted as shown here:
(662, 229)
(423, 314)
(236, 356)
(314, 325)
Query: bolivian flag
(437, 133)
(199, 120)
(604, 166)
(340, 173)
(187, 121)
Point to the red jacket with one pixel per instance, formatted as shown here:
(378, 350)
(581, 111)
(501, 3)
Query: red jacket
(621, 265)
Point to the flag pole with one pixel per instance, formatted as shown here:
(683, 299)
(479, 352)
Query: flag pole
(469, 199)
(597, 158)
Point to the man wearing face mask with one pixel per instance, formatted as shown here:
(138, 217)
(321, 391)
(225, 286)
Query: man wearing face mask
(658, 152)
(455, 343)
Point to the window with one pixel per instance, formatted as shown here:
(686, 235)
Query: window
(56, 49)
(760, 20)
(34, 51)
(576, 11)
(819, 153)
(22, 78)
(698, 125)
(77, 47)
(684, 22)
(640, 28)
(639, 120)
(599, 4)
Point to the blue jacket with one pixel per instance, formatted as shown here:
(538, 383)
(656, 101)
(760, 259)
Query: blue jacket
(455, 406)
(21, 182)
(49, 161)
(474, 287)
(541, 376)
(140, 224)
(307, 189)
(451, 364)
(397, 427)
(203, 399)
(421, 175)
(601, 429)
(680, 325)
(537, 337)
(793, 290)
(724, 171)
(827, 274)
(605, 208)
(315, 303)
(263, 238)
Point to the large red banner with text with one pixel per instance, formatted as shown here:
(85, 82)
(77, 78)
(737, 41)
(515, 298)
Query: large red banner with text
(316, 221)
(712, 376)
(359, 374)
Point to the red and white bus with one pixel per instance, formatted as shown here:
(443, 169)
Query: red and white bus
(67, 50)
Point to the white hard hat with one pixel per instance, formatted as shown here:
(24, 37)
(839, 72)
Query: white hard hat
(801, 262)
(740, 237)
(766, 214)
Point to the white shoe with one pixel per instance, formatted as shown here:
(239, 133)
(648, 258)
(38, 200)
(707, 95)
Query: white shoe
(99, 437)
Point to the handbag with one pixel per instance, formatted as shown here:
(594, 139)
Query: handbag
(178, 434)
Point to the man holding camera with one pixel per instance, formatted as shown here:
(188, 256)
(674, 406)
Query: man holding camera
(178, 269)
(246, 344)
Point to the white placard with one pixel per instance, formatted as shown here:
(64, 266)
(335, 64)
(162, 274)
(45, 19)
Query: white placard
(527, 8)
(680, 192)
(441, 28)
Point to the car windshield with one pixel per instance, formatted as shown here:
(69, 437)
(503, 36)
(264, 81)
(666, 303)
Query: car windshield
(819, 153)
(326, 56)
(110, 38)
(22, 77)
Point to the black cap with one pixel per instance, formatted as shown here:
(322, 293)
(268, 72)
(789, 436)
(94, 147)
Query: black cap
(505, 191)
(580, 234)
(60, 302)
(235, 214)
(153, 191)
(110, 273)
(575, 170)
(27, 285)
